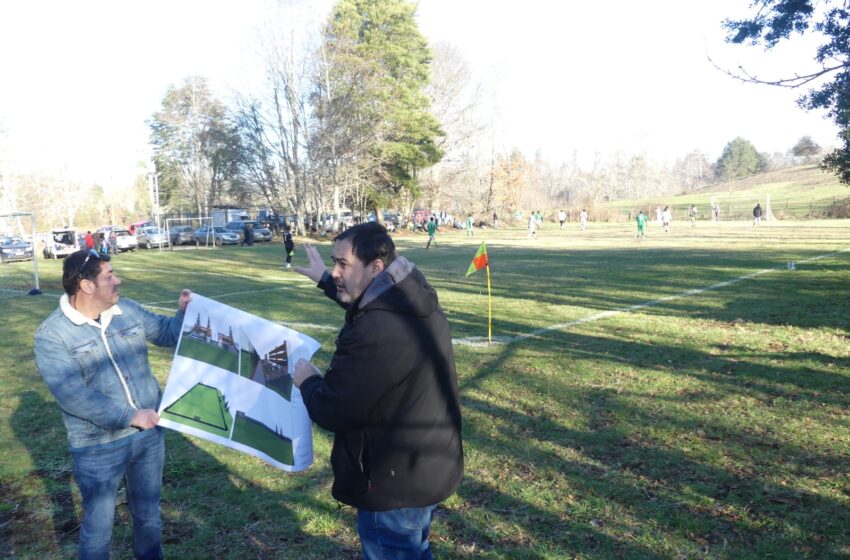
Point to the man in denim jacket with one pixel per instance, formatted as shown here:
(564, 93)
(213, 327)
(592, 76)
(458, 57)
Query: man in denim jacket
(92, 353)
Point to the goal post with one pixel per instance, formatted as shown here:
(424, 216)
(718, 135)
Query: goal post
(19, 244)
(768, 210)
(174, 226)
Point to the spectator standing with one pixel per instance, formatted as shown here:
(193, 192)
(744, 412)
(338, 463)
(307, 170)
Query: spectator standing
(562, 218)
(105, 245)
(470, 226)
(757, 214)
(390, 395)
(495, 220)
(582, 218)
(89, 240)
(247, 234)
(692, 213)
(91, 352)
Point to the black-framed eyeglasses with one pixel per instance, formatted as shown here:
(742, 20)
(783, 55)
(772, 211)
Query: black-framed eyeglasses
(92, 253)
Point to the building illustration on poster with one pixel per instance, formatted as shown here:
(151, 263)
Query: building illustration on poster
(230, 382)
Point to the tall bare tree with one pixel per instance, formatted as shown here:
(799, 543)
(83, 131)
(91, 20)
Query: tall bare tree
(457, 180)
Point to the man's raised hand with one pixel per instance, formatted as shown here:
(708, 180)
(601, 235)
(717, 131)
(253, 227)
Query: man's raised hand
(317, 267)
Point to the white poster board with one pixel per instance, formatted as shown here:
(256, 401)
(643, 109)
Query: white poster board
(231, 383)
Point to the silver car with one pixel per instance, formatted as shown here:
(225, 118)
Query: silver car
(152, 236)
(215, 235)
(260, 233)
(182, 234)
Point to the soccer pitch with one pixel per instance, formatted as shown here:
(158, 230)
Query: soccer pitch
(679, 396)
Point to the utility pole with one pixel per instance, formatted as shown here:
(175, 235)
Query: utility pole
(153, 181)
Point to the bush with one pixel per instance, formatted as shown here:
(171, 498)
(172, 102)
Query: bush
(839, 209)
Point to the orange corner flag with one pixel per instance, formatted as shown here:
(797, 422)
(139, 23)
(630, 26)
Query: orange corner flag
(480, 260)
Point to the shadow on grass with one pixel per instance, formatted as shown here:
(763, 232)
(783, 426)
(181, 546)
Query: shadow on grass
(44, 519)
(737, 510)
(209, 510)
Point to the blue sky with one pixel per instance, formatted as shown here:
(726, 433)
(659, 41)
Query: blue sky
(80, 78)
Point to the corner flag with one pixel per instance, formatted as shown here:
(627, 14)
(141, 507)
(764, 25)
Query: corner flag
(479, 261)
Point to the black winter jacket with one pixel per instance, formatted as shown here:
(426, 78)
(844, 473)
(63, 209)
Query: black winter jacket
(390, 396)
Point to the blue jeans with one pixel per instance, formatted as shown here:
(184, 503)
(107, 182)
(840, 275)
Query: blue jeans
(98, 471)
(397, 534)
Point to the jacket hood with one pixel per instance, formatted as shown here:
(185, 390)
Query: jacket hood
(400, 288)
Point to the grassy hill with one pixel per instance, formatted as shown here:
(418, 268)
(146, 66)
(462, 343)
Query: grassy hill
(800, 192)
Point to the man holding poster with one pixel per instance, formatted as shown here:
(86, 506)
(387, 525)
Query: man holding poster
(390, 394)
(92, 353)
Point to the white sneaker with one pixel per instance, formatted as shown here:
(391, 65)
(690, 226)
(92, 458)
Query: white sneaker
(288, 265)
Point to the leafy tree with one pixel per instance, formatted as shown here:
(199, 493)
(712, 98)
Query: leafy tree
(805, 147)
(377, 68)
(194, 146)
(776, 20)
(739, 159)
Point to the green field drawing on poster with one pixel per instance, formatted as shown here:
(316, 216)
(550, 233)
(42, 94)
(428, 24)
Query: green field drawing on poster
(208, 353)
(254, 433)
(202, 407)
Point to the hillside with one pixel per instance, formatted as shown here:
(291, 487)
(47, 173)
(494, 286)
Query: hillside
(795, 192)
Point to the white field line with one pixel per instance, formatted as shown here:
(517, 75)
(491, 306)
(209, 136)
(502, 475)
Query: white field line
(482, 340)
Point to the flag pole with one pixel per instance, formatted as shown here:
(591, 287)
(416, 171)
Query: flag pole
(489, 310)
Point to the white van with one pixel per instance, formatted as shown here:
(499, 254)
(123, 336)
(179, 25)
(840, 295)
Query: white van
(60, 243)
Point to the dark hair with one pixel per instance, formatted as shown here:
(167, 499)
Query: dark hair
(75, 267)
(369, 241)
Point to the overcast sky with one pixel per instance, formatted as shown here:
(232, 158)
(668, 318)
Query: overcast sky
(80, 78)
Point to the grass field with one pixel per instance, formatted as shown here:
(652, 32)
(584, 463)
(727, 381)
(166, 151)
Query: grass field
(684, 396)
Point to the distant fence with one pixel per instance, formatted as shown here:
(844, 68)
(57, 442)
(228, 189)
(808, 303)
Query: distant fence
(783, 209)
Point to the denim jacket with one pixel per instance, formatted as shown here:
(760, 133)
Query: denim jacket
(99, 372)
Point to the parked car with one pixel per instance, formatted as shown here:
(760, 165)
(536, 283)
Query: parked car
(390, 220)
(134, 227)
(14, 249)
(60, 243)
(180, 235)
(120, 239)
(215, 234)
(152, 236)
(260, 233)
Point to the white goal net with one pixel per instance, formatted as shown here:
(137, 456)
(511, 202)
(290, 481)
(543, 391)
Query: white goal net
(182, 233)
(19, 248)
